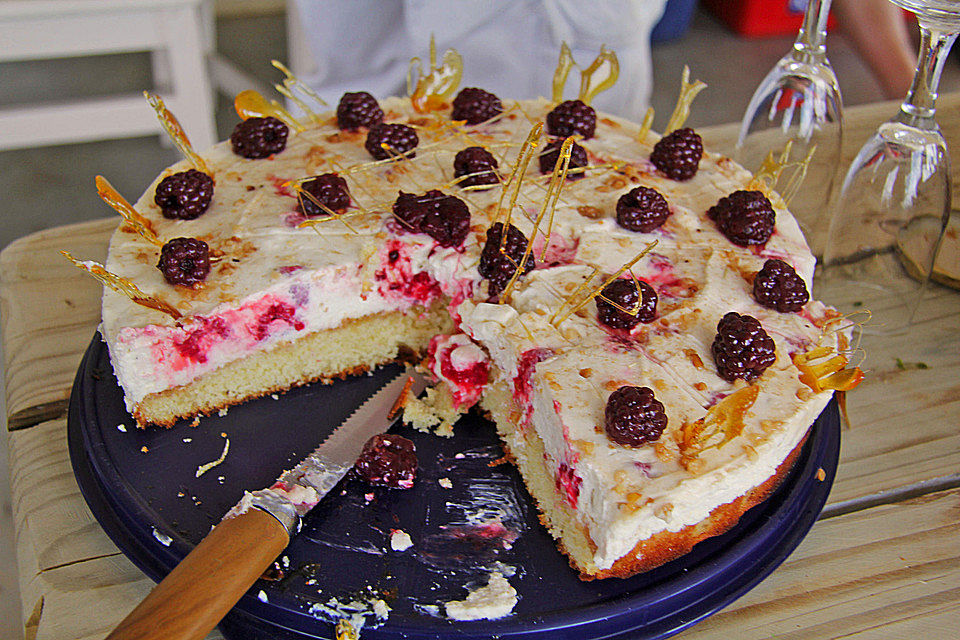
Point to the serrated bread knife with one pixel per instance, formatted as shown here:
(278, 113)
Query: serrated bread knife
(193, 598)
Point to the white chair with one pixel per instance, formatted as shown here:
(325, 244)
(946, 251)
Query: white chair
(177, 33)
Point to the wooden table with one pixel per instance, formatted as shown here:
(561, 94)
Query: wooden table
(883, 561)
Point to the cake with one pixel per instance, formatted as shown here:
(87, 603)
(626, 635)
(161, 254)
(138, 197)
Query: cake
(630, 311)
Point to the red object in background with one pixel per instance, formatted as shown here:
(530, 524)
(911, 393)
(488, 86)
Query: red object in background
(758, 18)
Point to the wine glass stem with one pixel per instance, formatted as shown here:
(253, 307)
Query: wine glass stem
(919, 106)
(813, 32)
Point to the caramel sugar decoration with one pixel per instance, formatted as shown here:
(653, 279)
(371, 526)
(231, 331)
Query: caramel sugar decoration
(772, 169)
(527, 151)
(130, 215)
(723, 423)
(557, 181)
(688, 91)
(564, 64)
(429, 91)
(250, 104)
(332, 215)
(592, 81)
(593, 294)
(122, 285)
(179, 137)
(291, 82)
(645, 125)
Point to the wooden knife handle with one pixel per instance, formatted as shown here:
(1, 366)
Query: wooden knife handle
(195, 596)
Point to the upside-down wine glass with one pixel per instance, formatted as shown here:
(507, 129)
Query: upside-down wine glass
(895, 201)
(799, 100)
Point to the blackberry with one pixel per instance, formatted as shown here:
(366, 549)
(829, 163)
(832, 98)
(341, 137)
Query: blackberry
(551, 154)
(184, 261)
(256, 138)
(388, 460)
(570, 118)
(742, 349)
(626, 294)
(633, 416)
(498, 267)
(475, 106)
(185, 195)
(478, 165)
(678, 154)
(357, 110)
(777, 286)
(444, 218)
(744, 217)
(400, 139)
(642, 209)
(328, 189)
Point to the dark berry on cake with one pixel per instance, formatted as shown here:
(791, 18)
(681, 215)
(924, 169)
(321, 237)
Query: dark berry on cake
(257, 138)
(185, 195)
(678, 154)
(357, 110)
(744, 217)
(628, 295)
(390, 140)
(476, 166)
(444, 218)
(328, 189)
(570, 118)
(499, 266)
(777, 286)
(634, 417)
(388, 460)
(642, 209)
(475, 106)
(742, 349)
(410, 209)
(184, 261)
(551, 154)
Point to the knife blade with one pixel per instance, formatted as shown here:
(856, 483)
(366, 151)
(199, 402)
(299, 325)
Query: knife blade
(208, 582)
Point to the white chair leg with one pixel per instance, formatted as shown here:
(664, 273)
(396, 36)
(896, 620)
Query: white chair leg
(192, 97)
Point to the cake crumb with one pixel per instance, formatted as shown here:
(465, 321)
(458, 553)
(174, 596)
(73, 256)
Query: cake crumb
(162, 538)
(188, 440)
(494, 600)
(122, 427)
(202, 469)
(222, 412)
(446, 483)
(821, 474)
(195, 422)
(275, 396)
(400, 540)
(436, 412)
(262, 596)
(144, 449)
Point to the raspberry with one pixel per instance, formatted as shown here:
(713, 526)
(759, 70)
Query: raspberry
(444, 218)
(642, 209)
(185, 195)
(570, 118)
(744, 217)
(184, 261)
(357, 110)
(478, 165)
(678, 154)
(626, 294)
(633, 416)
(388, 460)
(475, 106)
(742, 349)
(498, 267)
(328, 189)
(256, 138)
(400, 139)
(551, 154)
(777, 286)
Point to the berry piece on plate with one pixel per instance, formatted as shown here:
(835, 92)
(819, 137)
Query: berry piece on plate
(475, 106)
(388, 460)
(572, 117)
(742, 349)
(642, 209)
(678, 154)
(184, 261)
(626, 294)
(185, 195)
(777, 286)
(744, 217)
(634, 417)
(359, 109)
(257, 138)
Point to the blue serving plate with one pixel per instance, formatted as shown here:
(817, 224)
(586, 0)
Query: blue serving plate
(143, 488)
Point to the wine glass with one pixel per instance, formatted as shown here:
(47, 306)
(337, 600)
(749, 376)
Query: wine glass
(799, 101)
(895, 201)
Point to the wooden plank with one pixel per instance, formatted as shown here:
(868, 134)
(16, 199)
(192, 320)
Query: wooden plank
(49, 311)
(888, 572)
